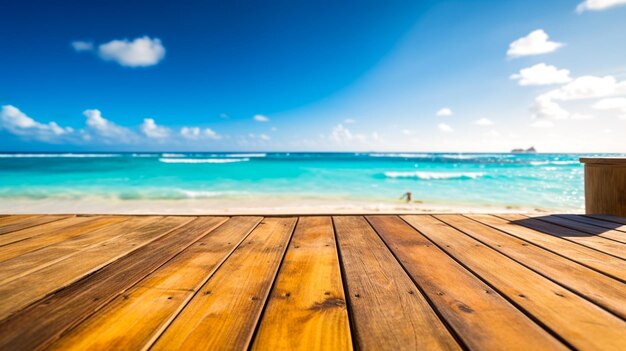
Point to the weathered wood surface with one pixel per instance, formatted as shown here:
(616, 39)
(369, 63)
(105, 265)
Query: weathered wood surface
(307, 307)
(605, 186)
(478, 282)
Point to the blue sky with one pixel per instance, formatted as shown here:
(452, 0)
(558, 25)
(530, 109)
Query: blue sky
(318, 75)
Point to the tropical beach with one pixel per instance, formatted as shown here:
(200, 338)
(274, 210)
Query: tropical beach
(313, 175)
(289, 183)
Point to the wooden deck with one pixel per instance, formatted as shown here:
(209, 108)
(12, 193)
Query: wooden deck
(478, 282)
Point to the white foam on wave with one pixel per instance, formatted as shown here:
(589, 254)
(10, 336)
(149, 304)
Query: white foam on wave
(203, 160)
(435, 175)
(403, 155)
(246, 155)
(561, 163)
(145, 155)
(67, 155)
(173, 155)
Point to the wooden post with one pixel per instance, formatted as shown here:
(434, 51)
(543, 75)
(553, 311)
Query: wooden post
(605, 186)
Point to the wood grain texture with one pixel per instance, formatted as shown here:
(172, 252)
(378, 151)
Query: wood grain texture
(25, 264)
(36, 285)
(136, 318)
(474, 282)
(49, 228)
(307, 306)
(609, 218)
(592, 241)
(594, 221)
(605, 188)
(597, 287)
(227, 308)
(599, 261)
(42, 322)
(388, 311)
(78, 231)
(604, 160)
(584, 227)
(583, 324)
(13, 223)
(482, 318)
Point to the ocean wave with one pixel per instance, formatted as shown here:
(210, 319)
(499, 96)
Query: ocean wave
(475, 156)
(246, 155)
(173, 155)
(145, 155)
(561, 163)
(66, 155)
(435, 175)
(203, 160)
(403, 155)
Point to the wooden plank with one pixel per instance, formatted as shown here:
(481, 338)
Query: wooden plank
(48, 228)
(13, 223)
(581, 323)
(226, 310)
(133, 320)
(599, 261)
(605, 186)
(41, 323)
(595, 221)
(597, 287)
(609, 218)
(32, 287)
(604, 160)
(595, 242)
(482, 318)
(307, 307)
(387, 309)
(35, 260)
(80, 231)
(583, 227)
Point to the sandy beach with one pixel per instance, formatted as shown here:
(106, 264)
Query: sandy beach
(261, 207)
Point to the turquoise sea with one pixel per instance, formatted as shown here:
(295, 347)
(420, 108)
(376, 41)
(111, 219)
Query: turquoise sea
(544, 181)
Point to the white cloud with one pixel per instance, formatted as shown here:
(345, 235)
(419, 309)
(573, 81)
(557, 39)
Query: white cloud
(18, 123)
(195, 133)
(140, 52)
(542, 74)
(445, 128)
(349, 121)
(107, 129)
(264, 137)
(79, 45)
(190, 132)
(586, 87)
(211, 134)
(484, 122)
(545, 108)
(444, 112)
(611, 104)
(261, 118)
(616, 104)
(542, 124)
(341, 134)
(535, 43)
(598, 5)
(407, 132)
(150, 129)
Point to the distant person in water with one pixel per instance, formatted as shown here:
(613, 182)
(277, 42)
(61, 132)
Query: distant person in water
(408, 196)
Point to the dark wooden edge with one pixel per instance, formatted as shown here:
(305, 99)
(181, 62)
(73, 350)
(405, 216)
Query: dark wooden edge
(604, 160)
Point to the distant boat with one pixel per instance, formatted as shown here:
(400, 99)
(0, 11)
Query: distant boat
(530, 150)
